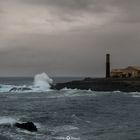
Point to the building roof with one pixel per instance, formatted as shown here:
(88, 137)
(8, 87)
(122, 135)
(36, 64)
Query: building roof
(117, 70)
(134, 67)
(129, 68)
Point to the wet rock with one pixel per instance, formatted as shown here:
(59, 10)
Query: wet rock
(27, 126)
(20, 89)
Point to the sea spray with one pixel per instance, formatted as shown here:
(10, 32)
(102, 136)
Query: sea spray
(42, 82)
(7, 120)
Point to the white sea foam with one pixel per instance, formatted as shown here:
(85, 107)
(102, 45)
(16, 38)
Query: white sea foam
(117, 91)
(7, 120)
(69, 90)
(5, 88)
(135, 94)
(42, 82)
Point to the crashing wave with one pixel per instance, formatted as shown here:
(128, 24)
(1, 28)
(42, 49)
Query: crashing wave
(7, 121)
(42, 82)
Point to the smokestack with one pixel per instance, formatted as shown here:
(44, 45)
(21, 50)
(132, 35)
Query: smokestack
(107, 65)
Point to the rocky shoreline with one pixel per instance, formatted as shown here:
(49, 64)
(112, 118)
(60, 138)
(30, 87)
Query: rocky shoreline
(102, 84)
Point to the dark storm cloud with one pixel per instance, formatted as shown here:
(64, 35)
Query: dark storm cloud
(70, 4)
(74, 6)
(93, 5)
(127, 9)
(68, 37)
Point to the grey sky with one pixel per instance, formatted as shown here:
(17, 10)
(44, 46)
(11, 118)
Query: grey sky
(67, 37)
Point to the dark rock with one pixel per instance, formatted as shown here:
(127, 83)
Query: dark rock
(20, 89)
(27, 126)
(102, 84)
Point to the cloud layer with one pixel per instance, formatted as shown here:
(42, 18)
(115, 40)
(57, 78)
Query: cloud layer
(67, 37)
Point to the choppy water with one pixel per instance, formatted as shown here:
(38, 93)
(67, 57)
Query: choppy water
(70, 115)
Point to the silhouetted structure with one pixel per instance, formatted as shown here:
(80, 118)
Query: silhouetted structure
(107, 65)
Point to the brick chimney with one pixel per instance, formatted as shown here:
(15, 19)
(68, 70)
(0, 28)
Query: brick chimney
(107, 65)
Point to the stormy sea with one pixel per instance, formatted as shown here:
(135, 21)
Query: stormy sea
(66, 114)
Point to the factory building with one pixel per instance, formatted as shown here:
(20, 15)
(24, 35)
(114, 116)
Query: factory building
(129, 72)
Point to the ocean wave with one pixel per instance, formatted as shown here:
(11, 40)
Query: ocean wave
(135, 94)
(7, 120)
(41, 83)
